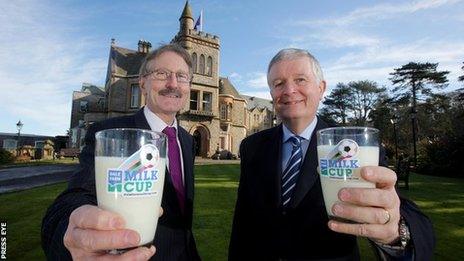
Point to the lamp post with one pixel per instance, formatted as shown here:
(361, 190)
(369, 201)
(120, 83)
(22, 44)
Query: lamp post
(19, 126)
(394, 121)
(274, 121)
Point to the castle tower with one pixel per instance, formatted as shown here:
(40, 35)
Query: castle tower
(186, 19)
(201, 115)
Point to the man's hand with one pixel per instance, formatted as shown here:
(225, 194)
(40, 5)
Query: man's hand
(376, 209)
(92, 231)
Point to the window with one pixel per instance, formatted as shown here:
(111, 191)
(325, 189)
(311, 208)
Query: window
(223, 111)
(194, 62)
(101, 103)
(135, 96)
(193, 100)
(209, 66)
(223, 142)
(84, 106)
(202, 64)
(39, 144)
(207, 100)
(10, 144)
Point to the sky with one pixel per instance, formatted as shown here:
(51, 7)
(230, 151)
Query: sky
(49, 48)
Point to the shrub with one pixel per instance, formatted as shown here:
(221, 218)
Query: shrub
(5, 157)
(442, 157)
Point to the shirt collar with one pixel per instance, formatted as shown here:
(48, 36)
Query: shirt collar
(155, 122)
(306, 134)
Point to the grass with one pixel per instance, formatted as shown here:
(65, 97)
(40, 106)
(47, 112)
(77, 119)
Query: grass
(442, 199)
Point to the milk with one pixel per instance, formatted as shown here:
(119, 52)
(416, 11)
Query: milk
(344, 173)
(140, 211)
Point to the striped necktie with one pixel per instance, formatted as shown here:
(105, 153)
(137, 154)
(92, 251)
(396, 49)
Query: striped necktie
(290, 175)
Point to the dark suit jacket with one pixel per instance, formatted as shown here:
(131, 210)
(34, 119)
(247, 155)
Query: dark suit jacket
(173, 240)
(262, 230)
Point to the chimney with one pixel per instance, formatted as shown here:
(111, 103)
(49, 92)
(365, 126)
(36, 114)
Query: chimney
(141, 45)
(147, 46)
(144, 46)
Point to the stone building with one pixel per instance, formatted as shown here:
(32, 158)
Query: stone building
(30, 146)
(260, 114)
(217, 116)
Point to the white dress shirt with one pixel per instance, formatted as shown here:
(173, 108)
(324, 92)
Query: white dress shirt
(287, 145)
(157, 124)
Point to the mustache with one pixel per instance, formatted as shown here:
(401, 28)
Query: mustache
(170, 92)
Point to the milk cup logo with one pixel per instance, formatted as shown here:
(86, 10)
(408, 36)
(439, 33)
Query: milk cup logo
(341, 162)
(136, 175)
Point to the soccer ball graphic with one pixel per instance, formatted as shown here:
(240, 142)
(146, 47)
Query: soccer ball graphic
(149, 156)
(347, 148)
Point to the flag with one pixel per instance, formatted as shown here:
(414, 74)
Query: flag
(199, 24)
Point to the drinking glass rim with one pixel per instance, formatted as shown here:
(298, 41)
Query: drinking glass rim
(366, 130)
(160, 134)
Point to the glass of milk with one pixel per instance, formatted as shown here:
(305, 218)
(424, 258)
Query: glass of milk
(341, 152)
(129, 177)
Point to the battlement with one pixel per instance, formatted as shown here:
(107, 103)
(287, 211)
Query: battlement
(204, 36)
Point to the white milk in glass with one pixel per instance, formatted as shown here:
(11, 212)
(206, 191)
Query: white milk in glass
(140, 212)
(343, 173)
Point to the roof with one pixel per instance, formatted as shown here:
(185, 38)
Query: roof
(255, 102)
(125, 61)
(187, 13)
(93, 89)
(15, 135)
(226, 87)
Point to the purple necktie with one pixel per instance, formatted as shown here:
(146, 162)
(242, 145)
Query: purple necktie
(174, 165)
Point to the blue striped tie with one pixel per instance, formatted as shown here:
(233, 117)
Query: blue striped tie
(292, 170)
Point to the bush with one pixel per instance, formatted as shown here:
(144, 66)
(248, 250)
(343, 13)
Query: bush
(224, 155)
(5, 157)
(442, 157)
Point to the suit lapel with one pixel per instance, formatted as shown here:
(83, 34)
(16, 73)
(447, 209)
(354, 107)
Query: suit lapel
(140, 121)
(275, 162)
(187, 155)
(308, 175)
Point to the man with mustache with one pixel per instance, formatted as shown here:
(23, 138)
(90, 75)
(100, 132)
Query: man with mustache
(287, 220)
(74, 227)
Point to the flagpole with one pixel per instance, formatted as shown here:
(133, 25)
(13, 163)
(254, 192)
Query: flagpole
(201, 20)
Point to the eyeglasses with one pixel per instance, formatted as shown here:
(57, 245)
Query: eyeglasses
(164, 75)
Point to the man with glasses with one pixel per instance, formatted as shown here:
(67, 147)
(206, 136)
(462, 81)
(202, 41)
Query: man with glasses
(74, 227)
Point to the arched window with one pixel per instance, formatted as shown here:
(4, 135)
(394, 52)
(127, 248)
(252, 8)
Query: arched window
(202, 64)
(223, 114)
(194, 62)
(209, 66)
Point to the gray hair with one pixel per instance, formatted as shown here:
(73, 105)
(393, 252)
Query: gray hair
(175, 48)
(294, 53)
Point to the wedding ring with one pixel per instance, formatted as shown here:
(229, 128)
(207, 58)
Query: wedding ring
(387, 216)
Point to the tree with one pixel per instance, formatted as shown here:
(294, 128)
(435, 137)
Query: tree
(337, 104)
(352, 103)
(365, 94)
(415, 80)
(461, 78)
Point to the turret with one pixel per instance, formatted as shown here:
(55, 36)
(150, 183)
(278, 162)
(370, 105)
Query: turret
(186, 20)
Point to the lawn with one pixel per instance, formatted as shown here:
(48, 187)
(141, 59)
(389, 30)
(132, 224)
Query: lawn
(442, 199)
